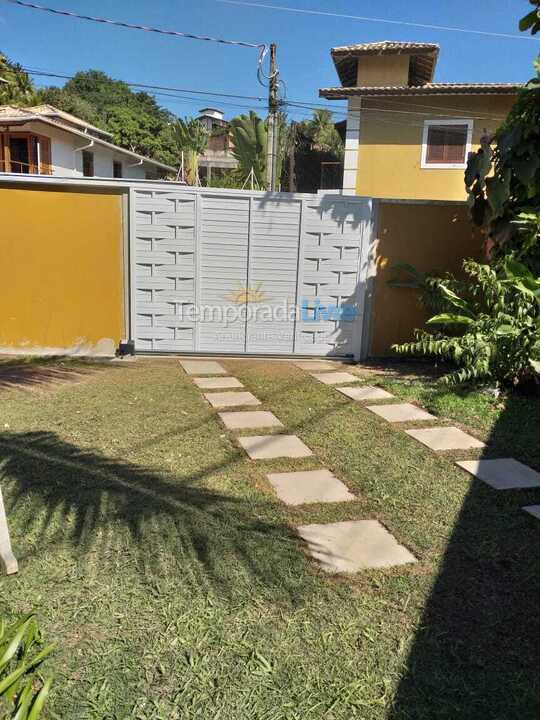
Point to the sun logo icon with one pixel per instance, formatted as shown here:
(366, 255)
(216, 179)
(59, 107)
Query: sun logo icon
(247, 294)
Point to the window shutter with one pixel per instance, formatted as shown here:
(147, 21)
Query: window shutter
(45, 152)
(446, 144)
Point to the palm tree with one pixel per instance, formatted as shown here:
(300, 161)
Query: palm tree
(323, 133)
(249, 139)
(192, 140)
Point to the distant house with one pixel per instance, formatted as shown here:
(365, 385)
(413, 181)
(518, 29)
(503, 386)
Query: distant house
(408, 137)
(218, 157)
(43, 140)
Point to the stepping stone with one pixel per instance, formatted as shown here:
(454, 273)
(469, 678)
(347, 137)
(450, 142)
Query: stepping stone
(365, 392)
(333, 378)
(503, 474)
(249, 419)
(313, 486)
(265, 447)
(354, 545)
(401, 412)
(533, 510)
(202, 367)
(445, 438)
(231, 399)
(315, 365)
(216, 383)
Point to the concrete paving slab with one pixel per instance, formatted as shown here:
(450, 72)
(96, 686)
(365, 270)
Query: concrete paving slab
(231, 399)
(249, 419)
(202, 367)
(315, 365)
(354, 545)
(400, 412)
(333, 378)
(265, 447)
(210, 383)
(533, 510)
(445, 438)
(503, 473)
(313, 486)
(365, 392)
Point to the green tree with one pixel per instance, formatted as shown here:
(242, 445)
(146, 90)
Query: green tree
(16, 87)
(323, 134)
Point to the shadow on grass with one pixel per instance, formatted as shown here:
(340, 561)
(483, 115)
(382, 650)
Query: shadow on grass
(476, 653)
(30, 374)
(61, 494)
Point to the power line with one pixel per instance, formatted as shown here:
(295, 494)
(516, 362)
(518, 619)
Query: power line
(362, 18)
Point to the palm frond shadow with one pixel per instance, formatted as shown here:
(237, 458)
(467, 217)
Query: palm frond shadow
(59, 494)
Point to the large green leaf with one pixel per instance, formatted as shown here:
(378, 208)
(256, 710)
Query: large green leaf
(450, 319)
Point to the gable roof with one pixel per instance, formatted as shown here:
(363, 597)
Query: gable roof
(51, 111)
(10, 115)
(422, 66)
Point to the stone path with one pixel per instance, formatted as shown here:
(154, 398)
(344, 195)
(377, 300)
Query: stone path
(231, 399)
(365, 392)
(354, 545)
(333, 378)
(249, 419)
(216, 383)
(311, 486)
(502, 474)
(445, 438)
(202, 367)
(402, 412)
(266, 447)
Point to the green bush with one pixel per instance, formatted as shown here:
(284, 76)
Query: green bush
(492, 325)
(22, 692)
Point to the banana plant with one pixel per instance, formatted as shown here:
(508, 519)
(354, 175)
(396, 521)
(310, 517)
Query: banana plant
(249, 140)
(192, 140)
(22, 692)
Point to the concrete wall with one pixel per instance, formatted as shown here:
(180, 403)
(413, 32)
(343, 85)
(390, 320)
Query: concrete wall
(61, 272)
(390, 144)
(431, 237)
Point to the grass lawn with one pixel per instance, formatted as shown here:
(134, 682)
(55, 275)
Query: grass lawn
(157, 555)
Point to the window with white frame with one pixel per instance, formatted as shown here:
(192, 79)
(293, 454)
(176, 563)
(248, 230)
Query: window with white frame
(446, 143)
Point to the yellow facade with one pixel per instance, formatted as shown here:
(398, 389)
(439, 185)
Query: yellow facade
(390, 143)
(61, 272)
(383, 70)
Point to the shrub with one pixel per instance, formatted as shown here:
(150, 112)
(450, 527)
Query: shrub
(492, 325)
(22, 692)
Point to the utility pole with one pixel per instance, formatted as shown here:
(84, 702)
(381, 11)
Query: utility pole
(272, 133)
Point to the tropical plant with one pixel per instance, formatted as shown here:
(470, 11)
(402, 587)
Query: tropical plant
(503, 176)
(323, 134)
(191, 139)
(16, 87)
(22, 691)
(493, 326)
(249, 146)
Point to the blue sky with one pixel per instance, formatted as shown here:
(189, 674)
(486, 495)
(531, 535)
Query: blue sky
(65, 45)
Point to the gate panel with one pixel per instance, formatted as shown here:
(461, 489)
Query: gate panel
(222, 271)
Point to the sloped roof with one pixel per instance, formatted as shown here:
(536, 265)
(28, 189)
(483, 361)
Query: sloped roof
(10, 115)
(341, 93)
(51, 111)
(422, 66)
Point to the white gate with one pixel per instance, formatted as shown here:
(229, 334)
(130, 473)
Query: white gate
(230, 271)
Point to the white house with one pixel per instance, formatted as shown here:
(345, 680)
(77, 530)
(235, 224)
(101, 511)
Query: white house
(43, 140)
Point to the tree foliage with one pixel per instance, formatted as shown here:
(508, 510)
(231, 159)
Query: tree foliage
(503, 176)
(249, 138)
(191, 139)
(17, 88)
(492, 323)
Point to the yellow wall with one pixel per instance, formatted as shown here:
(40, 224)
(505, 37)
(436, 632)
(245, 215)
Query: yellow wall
(390, 148)
(383, 70)
(429, 237)
(61, 270)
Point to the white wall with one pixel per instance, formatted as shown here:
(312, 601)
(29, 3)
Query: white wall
(66, 160)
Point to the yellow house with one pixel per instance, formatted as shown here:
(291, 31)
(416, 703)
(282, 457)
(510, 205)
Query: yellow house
(407, 136)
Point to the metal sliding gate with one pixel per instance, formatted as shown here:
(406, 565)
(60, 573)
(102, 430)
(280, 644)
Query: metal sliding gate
(229, 271)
